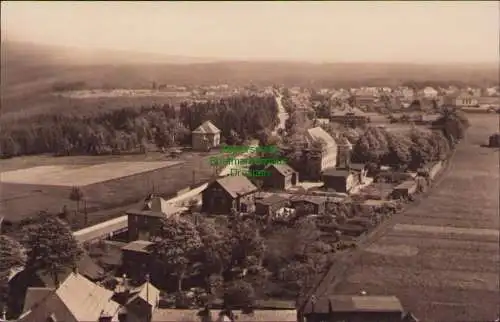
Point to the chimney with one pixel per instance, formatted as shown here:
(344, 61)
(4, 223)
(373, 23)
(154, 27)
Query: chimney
(75, 269)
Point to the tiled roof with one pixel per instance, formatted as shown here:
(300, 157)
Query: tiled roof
(317, 134)
(155, 207)
(147, 292)
(284, 169)
(77, 299)
(86, 300)
(236, 185)
(137, 246)
(207, 128)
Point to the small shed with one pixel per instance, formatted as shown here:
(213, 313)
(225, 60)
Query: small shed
(270, 205)
(281, 176)
(354, 308)
(494, 141)
(338, 180)
(316, 204)
(405, 189)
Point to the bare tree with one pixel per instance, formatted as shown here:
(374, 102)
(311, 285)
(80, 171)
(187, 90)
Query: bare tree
(76, 195)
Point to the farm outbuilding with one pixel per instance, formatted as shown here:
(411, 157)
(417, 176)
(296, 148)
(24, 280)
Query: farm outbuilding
(494, 140)
(270, 204)
(405, 189)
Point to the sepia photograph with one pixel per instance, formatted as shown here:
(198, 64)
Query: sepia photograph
(250, 161)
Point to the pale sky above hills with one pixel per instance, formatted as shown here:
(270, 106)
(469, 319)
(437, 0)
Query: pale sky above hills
(392, 31)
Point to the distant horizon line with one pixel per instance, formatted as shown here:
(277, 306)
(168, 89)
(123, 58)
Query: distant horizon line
(244, 60)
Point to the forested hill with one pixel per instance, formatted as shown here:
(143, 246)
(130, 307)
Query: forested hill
(32, 62)
(131, 130)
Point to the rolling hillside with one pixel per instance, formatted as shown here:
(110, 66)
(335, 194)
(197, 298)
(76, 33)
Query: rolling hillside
(30, 70)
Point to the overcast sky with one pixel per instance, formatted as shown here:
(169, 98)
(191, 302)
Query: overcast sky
(392, 31)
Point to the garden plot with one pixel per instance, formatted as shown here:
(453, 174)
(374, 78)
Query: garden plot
(454, 275)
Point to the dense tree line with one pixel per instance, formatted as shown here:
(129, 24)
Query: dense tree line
(236, 261)
(44, 245)
(131, 130)
(68, 86)
(413, 149)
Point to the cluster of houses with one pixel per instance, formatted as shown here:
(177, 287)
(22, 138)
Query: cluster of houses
(402, 97)
(78, 299)
(79, 296)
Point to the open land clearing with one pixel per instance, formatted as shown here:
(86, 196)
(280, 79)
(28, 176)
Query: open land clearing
(81, 176)
(109, 184)
(440, 256)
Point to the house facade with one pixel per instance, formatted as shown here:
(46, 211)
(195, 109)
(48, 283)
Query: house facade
(205, 137)
(466, 101)
(144, 221)
(225, 194)
(344, 151)
(137, 260)
(321, 153)
(310, 204)
(281, 177)
(339, 180)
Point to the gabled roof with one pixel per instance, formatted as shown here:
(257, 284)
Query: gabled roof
(284, 169)
(207, 127)
(146, 292)
(138, 246)
(318, 135)
(236, 185)
(155, 206)
(76, 299)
